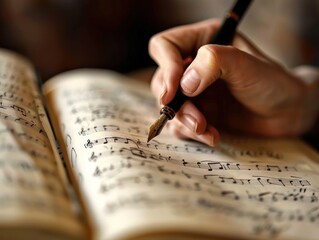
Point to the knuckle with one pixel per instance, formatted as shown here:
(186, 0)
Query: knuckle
(217, 58)
(214, 53)
(209, 53)
(154, 42)
(208, 48)
(209, 57)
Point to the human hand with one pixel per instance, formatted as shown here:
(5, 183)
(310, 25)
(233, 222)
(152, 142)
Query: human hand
(232, 87)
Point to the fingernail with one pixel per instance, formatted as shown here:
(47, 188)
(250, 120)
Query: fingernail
(190, 122)
(190, 81)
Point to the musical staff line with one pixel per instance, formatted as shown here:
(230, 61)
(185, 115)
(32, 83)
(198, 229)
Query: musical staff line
(269, 214)
(26, 137)
(303, 195)
(209, 165)
(210, 178)
(14, 98)
(190, 148)
(112, 128)
(23, 122)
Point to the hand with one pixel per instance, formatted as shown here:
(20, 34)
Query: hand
(232, 87)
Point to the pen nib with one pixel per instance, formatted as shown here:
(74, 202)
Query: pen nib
(156, 128)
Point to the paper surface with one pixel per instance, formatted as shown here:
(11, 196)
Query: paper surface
(32, 191)
(248, 188)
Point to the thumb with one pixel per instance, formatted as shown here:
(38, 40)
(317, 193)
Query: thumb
(240, 70)
(248, 77)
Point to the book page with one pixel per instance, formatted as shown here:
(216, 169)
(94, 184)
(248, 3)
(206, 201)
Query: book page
(243, 188)
(33, 197)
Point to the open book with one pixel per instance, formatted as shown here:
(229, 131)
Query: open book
(112, 184)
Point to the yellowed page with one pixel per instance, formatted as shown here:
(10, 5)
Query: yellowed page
(33, 196)
(244, 188)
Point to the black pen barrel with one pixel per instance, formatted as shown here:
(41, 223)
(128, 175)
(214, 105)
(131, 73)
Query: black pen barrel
(224, 36)
(227, 31)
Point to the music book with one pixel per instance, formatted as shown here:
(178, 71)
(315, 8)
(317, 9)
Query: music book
(75, 164)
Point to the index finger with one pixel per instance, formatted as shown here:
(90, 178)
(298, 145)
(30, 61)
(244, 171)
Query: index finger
(169, 48)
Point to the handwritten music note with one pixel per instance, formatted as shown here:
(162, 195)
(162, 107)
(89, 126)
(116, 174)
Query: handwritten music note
(30, 179)
(239, 180)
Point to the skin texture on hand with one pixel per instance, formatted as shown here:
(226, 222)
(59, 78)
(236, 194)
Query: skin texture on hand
(231, 87)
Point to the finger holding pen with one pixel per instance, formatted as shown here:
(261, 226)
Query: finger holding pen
(172, 51)
(178, 55)
(267, 97)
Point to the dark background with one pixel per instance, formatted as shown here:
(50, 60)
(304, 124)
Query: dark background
(59, 35)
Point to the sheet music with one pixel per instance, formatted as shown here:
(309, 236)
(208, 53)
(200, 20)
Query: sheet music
(32, 192)
(255, 189)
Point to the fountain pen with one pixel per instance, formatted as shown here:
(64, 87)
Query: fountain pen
(224, 36)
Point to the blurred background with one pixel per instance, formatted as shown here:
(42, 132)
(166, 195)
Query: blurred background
(58, 35)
